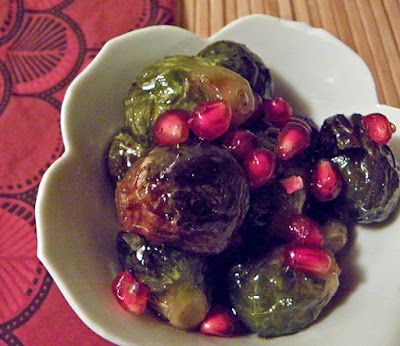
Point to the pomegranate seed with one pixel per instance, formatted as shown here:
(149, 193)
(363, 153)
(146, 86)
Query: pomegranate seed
(220, 321)
(292, 183)
(304, 230)
(131, 294)
(259, 165)
(171, 127)
(277, 111)
(211, 119)
(379, 128)
(307, 259)
(239, 142)
(293, 139)
(326, 181)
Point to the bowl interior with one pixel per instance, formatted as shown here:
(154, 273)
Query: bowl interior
(76, 219)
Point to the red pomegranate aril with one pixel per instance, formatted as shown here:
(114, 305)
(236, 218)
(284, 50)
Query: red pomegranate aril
(326, 181)
(293, 139)
(239, 142)
(259, 165)
(379, 128)
(171, 127)
(211, 119)
(292, 183)
(308, 259)
(277, 111)
(131, 294)
(304, 230)
(220, 321)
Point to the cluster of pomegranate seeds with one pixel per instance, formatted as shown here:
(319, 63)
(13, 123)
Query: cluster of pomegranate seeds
(304, 230)
(211, 119)
(259, 166)
(258, 163)
(326, 181)
(277, 111)
(304, 251)
(220, 321)
(239, 142)
(379, 128)
(310, 259)
(131, 294)
(294, 137)
(171, 127)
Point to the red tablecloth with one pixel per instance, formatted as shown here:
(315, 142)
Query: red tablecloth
(44, 44)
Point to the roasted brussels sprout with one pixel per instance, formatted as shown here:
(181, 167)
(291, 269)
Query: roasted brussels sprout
(335, 228)
(335, 234)
(270, 209)
(123, 152)
(237, 57)
(178, 289)
(371, 177)
(193, 196)
(181, 82)
(273, 300)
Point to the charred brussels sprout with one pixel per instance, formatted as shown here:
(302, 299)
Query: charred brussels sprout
(178, 291)
(123, 152)
(181, 82)
(193, 197)
(270, 209)
(237, 57)
(371, 177)
(273, 300)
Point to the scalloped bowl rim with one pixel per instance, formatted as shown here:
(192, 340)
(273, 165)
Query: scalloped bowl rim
(63, 219)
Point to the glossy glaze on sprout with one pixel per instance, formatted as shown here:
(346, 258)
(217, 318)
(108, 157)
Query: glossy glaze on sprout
(232, 207)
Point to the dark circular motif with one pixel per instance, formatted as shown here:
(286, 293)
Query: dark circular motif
(78, 46)
(10, 19)
(35, 140)
(152, 14)
(45, 48)
(28, 197)
(19, 266)
(43, 53)
(5, 87)
(46, 5)
(7, 328)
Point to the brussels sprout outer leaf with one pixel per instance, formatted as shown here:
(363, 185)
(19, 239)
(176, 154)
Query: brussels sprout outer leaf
(237, 57)
(370, 174)
(272, 300)
(335, 234)
(193, 197)
(176, 279)
(182, 82)
(123, 152)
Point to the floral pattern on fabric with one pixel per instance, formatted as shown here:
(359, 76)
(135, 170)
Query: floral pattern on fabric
(44, 45)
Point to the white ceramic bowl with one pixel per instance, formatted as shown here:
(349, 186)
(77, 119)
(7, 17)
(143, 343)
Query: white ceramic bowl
(76, 220)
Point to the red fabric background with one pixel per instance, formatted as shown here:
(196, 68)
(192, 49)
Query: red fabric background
(43, 46)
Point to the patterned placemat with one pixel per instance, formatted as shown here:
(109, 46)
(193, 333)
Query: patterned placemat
(43, 47)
